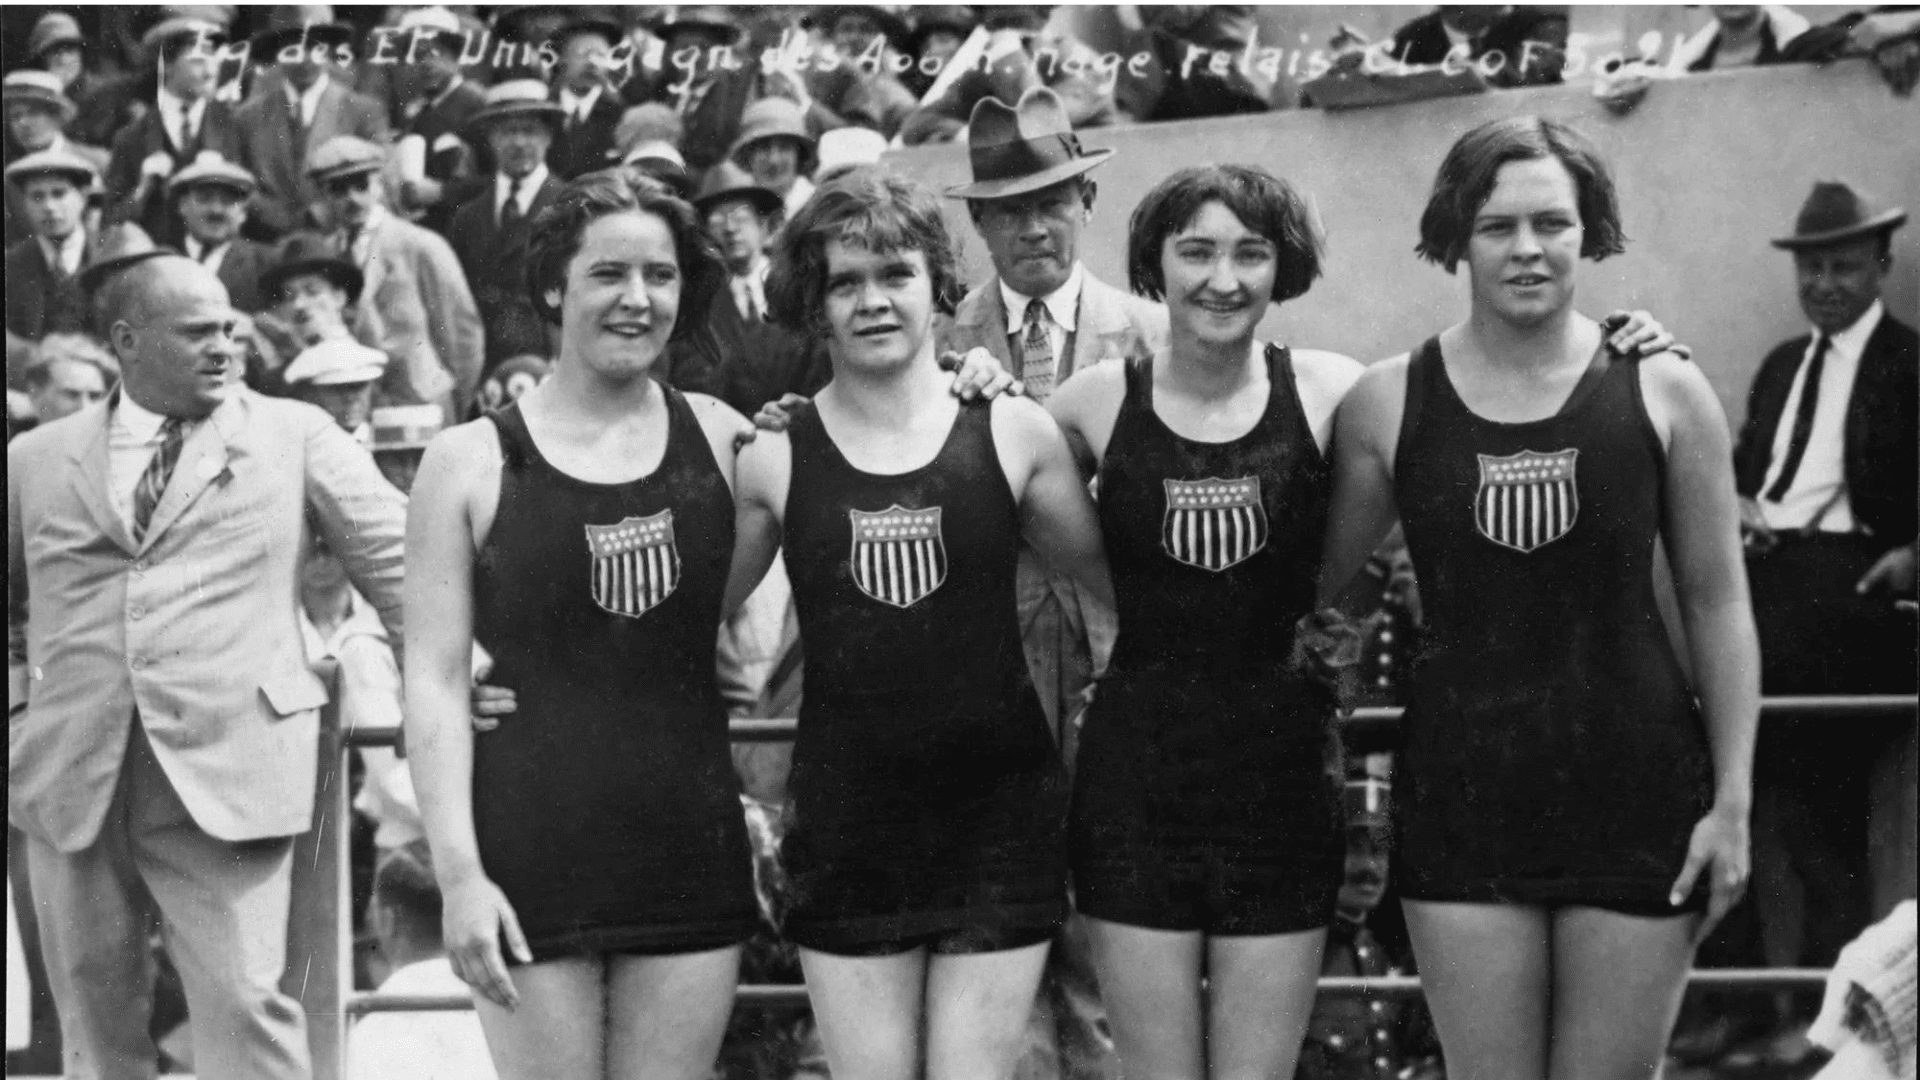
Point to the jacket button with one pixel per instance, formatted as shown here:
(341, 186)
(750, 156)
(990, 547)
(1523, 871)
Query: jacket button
(140, 567)
(136, 612)
(139, 663)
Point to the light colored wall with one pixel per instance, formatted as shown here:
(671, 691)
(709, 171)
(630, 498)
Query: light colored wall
(1708, 168)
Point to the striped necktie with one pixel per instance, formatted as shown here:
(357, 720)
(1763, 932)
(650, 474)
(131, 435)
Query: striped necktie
(153, 482)
(1037, 362)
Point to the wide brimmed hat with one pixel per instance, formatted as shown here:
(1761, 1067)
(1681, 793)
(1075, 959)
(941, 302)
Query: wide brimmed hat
(729, 181)
(58, 161)
(345, 155)
(55, 28)
(311, 253)
(885, 17)
(516, 97)
(701, 16)
(1835, 213)
(210, 168)
(40, 88)
(406, 427)
(430, 23)
(775, 118)
(180, 28)
(121, 246)
(850, 146)
(266, 46)
(1025, 148)
(589, 24)
(662, 161)
(336, 362)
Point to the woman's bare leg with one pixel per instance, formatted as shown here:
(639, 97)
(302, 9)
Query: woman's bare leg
(1617, 984)
(977, 1006)
(1150, 981)
(667, 1014)
(559, 1030)
(1260, 992)
(869, 1010)
(1487, 969)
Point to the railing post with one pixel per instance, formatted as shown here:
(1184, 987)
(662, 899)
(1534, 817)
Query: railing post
(319, 931)
(1893, 805)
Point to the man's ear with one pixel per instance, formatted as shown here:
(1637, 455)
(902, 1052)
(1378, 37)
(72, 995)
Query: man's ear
(1087, 191)
(121, 336)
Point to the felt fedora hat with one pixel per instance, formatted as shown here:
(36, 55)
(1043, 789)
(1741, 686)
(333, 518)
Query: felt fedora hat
(729, 181)
(310, 253)
(1835, 213)
(120, 247)
(308, 26)
(1025, 148)
(41, 88)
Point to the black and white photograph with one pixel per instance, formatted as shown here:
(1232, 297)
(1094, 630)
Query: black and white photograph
(962, 542)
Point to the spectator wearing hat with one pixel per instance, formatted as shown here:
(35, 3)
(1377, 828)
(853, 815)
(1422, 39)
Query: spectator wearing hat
(58, 48)
(312, 289)
(291, 116)
(418, 307)
(712, 98)
(439, 102)
(400, 437)
(759, 361)
(38, 114)
(42, 271)
(862, 89)
(1022, 53)
(938, 32)
(777, 149)
(1825, 468)
(583, 89)
(519, 126)
(182, 120)
(339, 374)
(211, 196)
(1171, 86)
(648, 138)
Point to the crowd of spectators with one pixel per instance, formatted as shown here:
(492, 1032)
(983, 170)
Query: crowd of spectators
(363, 186)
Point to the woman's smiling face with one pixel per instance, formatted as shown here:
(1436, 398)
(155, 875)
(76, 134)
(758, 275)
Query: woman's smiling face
(1525, 242)
(622, 294)
(1219, 275)
(879, 304)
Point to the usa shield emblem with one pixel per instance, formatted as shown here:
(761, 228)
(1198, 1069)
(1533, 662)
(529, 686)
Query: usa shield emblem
(1213, 524)
(898, 555)
(1527, 500)
(635, 563)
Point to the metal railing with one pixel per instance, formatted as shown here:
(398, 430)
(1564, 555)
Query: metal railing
(332, 1003)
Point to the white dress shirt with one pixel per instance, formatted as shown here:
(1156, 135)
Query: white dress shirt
(199, 253)
(529, 187)
(750, 290)
(176, 114)
(1822, 477)
(65, 255)
(1063, 308)
(132, 440)
(308, 103)
(579, 106)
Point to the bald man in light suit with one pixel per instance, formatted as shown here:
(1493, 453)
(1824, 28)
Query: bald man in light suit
(167, 756)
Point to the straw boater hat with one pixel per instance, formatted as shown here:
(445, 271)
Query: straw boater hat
(121, 246)
(775, 118)
(1835, 213)
(345, 155)
(850, 146)
(729, 181)
(41, 88)
(700, 16)
(1025, 148)
(54, 30)
(58, 161)
(336, 362)
(310, 253)
(180, 29)
(430, 24)
(515, 97)
(212, 170)
(406, 427)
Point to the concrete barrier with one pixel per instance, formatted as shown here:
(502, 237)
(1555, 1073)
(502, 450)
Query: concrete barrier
(1708, 168)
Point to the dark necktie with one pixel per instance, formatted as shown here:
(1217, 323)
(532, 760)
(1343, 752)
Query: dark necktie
(510, 210)
(153, 482)
(1037, 362)
(1802, 421)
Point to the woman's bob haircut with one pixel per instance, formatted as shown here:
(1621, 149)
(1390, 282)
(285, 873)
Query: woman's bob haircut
(1263, 202)
(555, 236)
(1467, 176)
(868, 207)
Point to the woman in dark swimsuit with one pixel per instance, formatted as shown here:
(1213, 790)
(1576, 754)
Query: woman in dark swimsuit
(1570, 800)
(584, 534)
(926, 843)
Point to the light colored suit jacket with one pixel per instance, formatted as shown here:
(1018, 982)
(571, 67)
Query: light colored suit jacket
(273, 145)
(418, 308)
(1056, 618)
(197, 627)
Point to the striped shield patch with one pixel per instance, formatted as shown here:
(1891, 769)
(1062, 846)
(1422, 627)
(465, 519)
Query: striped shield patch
(635, 563)
(898, 555)
(1213, 524)
(1527, 500)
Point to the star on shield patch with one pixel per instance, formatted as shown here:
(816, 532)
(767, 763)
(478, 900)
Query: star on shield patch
(1213, 524)
(1527, 500)
(635, 563)
(898, 556)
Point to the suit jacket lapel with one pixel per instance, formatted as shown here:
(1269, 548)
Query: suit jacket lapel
(90, 478)
(1101, 319)
(986, 323)
(203, 458)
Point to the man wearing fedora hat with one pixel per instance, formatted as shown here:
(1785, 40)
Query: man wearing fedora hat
(298, 106)
(1828, 483)
(439, 101)
(417, 306)
(518, 126)
(43, 296)
(210, 195)
(38, 114)
(583, 89)
(183, 119)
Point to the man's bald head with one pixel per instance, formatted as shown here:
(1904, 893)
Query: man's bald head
(171, 324)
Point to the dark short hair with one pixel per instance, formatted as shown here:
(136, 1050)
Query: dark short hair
(556, 233)
(1263, 202)
(1466, 178)
(873, 208)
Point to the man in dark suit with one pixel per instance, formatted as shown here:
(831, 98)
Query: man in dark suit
(210, 195)
(38, 116)
(440, 103)
(184, 119)
(1829, 485)
(42, 296)
(1531, 41)
(591, 106)
(490, 232)
(299, 111)
(712, 98)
